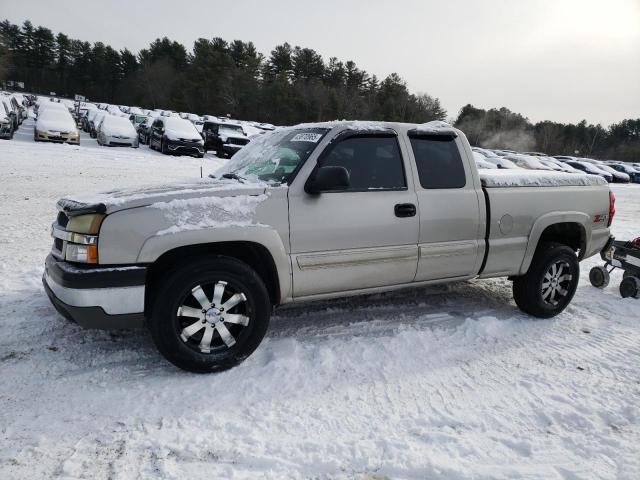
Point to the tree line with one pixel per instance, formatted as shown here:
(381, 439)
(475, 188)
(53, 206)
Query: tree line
(290, 85)
(502, 128)
(217, 77)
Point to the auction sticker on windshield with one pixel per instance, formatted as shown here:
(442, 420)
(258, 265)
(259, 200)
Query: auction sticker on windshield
(307, 137)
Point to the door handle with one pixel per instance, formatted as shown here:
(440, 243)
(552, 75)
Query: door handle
(405, 210)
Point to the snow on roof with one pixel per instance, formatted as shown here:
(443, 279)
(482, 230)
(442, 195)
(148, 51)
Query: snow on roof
(435, 126)
(536, 178)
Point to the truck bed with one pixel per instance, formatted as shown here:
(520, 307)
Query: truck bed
(522, 202)
(536, 178)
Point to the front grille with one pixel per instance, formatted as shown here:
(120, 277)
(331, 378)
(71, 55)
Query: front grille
(238, 141)
(63, 220)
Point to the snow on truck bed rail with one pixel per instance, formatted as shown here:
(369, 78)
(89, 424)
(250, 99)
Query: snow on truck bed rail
(537, 178)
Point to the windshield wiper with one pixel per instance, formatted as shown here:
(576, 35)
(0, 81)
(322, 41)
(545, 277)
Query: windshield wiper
(233, 176)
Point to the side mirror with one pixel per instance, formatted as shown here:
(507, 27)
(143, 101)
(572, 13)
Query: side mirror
(328, 179)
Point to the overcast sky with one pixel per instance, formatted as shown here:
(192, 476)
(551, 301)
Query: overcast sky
(561, 60)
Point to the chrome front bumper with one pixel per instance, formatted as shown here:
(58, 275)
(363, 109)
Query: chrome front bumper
(104, 298)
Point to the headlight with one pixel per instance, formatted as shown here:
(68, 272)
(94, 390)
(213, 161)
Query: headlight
(89, 224)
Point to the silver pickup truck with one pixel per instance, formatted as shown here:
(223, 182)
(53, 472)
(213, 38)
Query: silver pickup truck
(312, 212)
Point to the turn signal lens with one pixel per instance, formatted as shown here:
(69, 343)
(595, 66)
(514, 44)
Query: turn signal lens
(81, 253)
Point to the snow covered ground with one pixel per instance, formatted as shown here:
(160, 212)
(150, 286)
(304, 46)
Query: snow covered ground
(447, 382)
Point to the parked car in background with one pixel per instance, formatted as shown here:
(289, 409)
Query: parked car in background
(115, 110)
(136, 119)
(16, 116)
(634, 173)
(223, 138)
(174, 135)
(6, 124)
(504, 153)
(527, 161)
(83, 120)
(564, 166)
(481, 163)
(94, 121)
(116, 131)
(618, 177)
(591, 169)
(6, 110)
(18, 107)
(143, 129)
(54, 125)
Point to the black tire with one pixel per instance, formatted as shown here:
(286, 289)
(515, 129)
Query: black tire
(176, 292)
(530, 293)
(599, 277)
(630, 287)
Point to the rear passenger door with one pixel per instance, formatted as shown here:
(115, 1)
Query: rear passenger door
(364, 236)
(450, 222)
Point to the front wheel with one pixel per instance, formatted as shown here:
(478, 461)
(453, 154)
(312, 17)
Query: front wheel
(209, 315)
(551, 282)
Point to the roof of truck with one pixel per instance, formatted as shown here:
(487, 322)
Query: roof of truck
(435, 126)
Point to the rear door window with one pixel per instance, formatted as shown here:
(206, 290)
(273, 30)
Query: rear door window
(438, 161)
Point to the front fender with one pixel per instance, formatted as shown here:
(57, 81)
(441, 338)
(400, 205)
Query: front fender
(157, 245)
(547, 220)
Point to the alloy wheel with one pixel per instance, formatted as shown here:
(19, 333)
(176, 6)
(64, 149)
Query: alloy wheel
(213, 317)
(556, 282)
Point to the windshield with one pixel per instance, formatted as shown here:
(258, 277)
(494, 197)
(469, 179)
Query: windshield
(274, 157)
(180, 126)
(230, 130)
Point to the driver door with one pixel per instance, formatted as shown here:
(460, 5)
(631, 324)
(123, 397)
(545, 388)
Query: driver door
(364, 236)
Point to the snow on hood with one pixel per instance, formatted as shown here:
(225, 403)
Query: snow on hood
(536, 178)
(121, 199)
(112, 125)
(56, 123)
(207, 212)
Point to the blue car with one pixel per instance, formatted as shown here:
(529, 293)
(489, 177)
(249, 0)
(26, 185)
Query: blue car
(634, 173)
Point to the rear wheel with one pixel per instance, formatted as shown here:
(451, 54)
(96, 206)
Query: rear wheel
(630, 287)
(551, 282)
(210, 314)
(599, 277)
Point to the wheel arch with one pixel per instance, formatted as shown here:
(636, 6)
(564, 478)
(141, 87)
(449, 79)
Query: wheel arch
(568, 228)
(256, 255)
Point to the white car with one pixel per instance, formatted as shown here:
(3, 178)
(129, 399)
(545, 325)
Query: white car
(527, 161)
(116, 131)
(55, 125)
(564, 166)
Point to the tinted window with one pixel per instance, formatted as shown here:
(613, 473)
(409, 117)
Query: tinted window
(438, 161)
(373, 163)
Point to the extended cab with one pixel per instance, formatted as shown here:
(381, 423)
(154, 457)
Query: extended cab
(317, 211)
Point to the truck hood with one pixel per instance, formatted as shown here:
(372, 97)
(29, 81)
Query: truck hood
(121, 199)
